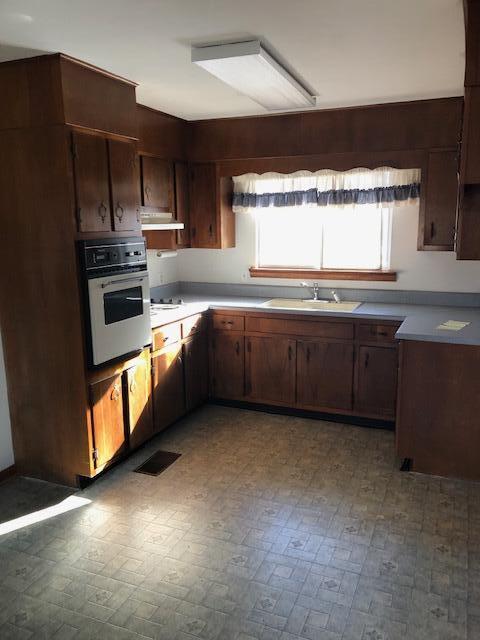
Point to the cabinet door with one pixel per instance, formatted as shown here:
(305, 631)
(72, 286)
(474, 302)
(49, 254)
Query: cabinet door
(228, 366)
(182, 203)
(123, 180)
(376, 391)
(157, 184)
(440, 205)
(325, 374)
(168, 386)
(90, 165)
(203, 209)
(270, 370)
(138, 383)
(196, 370)
(106, 407)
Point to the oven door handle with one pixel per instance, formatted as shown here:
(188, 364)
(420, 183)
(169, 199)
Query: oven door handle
(104, 285)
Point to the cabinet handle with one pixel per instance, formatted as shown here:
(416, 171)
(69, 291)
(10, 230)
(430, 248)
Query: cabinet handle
(115, 393)
(79, 215)
(138, 215)
(147, 191)
(165, 338)
(210, 230)
(382, 333)
(367, 358)
(290, 352)
(119, 211)
(308, 354)
(133, 386)
(102, 211)
(237, 348)
(227, 322)
(432, 229)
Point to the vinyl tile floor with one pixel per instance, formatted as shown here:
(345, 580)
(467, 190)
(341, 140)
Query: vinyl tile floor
(267, 528)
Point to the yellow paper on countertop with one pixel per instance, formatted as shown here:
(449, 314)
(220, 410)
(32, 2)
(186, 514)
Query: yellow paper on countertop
(453, 325)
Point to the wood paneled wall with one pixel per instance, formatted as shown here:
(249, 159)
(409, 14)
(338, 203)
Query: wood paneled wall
(160, 134)
(403, 126)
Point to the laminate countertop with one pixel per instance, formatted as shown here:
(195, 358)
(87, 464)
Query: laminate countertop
(419, 322)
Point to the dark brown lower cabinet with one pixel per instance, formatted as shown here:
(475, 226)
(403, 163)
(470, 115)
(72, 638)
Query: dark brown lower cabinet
(438, 408)
(108, 430)
(376, 387)
(168, 386)
(138, 390)
(325, 374)
(195, 357)
(227, 373)
(270, 369)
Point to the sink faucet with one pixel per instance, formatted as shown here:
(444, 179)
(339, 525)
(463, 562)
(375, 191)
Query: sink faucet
(315, 289)
(335, 296)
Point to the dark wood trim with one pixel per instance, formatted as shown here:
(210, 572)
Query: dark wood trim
(7, 473)
(80, 63)
(403, 159)
(161, 113)
(325, 274)
(325, 413)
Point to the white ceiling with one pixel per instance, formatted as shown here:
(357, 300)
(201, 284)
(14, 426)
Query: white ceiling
(348, 52)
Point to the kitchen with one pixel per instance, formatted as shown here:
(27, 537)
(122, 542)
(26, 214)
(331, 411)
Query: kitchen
(267, 304)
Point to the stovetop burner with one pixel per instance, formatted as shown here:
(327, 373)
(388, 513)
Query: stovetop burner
(163, 304)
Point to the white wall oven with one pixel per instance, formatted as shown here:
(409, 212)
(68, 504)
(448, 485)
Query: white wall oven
(116, 298)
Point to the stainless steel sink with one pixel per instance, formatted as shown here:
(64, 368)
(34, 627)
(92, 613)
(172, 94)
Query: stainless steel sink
(317, 305)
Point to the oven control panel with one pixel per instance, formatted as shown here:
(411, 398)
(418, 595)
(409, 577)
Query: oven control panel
(113, 255)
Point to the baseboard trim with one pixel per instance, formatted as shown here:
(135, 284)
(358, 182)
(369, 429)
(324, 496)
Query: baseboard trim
(7, 473)
(358, 421)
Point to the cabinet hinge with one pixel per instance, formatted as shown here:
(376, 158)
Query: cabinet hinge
(95, 455)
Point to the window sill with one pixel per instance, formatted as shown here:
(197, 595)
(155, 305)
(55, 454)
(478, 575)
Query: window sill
(324, 274)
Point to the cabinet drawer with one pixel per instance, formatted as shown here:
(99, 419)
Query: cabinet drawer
(377, 332)
(228, 323)
(193, 325)
(166, 335)
(341, 330)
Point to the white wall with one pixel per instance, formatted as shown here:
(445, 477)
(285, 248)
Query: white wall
(161, 270)
(6, 447)
(417, 270)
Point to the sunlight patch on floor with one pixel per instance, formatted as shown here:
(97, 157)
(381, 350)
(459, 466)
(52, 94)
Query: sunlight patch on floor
(70, 503)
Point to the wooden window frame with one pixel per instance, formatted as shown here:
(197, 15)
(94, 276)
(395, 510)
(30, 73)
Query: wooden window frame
(375, 275)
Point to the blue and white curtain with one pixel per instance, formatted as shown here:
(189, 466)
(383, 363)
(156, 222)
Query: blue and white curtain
(384, 186)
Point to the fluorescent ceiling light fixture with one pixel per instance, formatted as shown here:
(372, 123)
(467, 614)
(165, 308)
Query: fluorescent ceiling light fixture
(251, 70)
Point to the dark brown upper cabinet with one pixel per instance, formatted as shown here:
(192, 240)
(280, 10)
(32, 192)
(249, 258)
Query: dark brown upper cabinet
(182, 204)
(157, 183)
(439, 202)
(468, 227)
(123, 178)
(212, 222)
(90, 162)
(472, 29)
(105, 184)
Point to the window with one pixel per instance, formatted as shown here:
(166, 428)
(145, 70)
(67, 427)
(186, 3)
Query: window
(304, 237)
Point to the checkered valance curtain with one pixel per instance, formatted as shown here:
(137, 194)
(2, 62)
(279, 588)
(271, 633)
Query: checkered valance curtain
(325, 187)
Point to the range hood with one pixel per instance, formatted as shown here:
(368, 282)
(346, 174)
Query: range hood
(159, 221)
